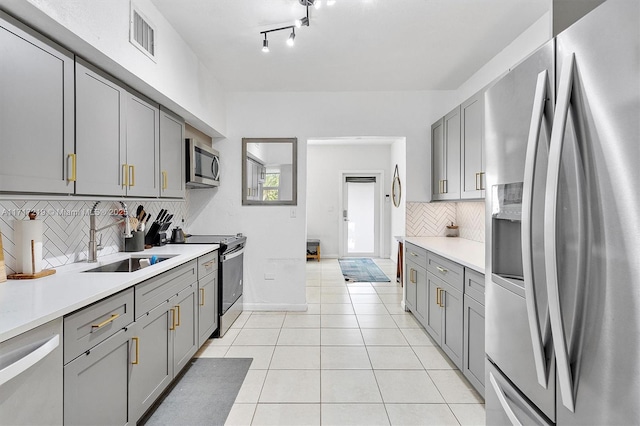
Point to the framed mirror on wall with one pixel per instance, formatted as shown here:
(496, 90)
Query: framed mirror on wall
(269, 171)
(396, 188)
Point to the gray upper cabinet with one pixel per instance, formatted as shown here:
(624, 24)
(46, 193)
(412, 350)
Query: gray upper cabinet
(437, 159)
(117, 141)
(472, 168)
(172, 155)
(446, 157)
(142, 177)
(100, 132)
(37, 119)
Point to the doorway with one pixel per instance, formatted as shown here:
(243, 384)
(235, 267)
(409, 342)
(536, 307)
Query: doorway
(361, 214)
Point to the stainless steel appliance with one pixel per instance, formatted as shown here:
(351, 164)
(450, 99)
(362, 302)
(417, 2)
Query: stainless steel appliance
(230, 275)
(563, 276)
(203, 165)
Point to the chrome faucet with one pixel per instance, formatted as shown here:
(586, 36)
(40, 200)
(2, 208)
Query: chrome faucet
(93, 246)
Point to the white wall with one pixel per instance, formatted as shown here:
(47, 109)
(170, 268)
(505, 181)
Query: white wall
(98, 30)
(398, 214)
(325, 165)
(276, 241)
(527, 42)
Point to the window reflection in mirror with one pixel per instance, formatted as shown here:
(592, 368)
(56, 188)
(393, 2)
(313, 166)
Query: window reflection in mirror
(269, 171)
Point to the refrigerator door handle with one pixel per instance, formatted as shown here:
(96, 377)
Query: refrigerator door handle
(503, 401)
(550, 225)
(537, 116)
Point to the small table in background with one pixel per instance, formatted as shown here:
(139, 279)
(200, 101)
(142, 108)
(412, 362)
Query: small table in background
(313, 249)
(400, 267)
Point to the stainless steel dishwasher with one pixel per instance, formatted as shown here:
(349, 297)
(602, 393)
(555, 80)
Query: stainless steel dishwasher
(31, 377)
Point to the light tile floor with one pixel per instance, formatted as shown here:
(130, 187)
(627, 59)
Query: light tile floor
(353, 358)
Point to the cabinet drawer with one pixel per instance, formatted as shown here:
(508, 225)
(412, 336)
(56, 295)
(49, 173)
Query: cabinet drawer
(154, 291)
(446, 270)
(416, 254)
(474, 285)
(91, 325)
(207, 264)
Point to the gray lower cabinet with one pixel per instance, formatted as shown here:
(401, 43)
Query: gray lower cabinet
(96, 383)
(31, 384)
(452, 300)
(207, 307)
(185, 340)
(417, 290)
(433, 319)
(37, 119)
(166, 334)
(152, 368)
(444, 317)
(172, 155)
(474, 350)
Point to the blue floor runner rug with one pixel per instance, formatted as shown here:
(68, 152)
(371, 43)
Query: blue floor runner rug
(362, 270)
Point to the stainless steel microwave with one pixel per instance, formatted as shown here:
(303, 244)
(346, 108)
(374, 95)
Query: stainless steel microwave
(203, 165)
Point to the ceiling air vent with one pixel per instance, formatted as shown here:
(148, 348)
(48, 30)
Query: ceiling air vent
(142, 34)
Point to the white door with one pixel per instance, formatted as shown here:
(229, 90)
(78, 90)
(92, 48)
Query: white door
(361, 215)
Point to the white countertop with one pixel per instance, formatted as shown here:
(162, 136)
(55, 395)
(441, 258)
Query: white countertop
(465, 252)
(26, 304)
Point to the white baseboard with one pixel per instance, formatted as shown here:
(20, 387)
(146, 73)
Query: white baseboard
(278, 307)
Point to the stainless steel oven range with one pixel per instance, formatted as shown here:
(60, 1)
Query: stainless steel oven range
(231, 258)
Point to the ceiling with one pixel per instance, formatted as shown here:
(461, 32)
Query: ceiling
(354, 45)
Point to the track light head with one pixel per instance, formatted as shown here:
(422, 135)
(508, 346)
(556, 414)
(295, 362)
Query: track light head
(292, 38)
(265, 44)
(302, 22)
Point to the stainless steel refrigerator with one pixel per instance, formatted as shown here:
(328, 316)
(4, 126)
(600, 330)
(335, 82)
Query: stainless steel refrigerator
(562, 136)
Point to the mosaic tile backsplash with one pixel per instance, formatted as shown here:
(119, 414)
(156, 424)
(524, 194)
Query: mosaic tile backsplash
(66, 227)
(431, 219)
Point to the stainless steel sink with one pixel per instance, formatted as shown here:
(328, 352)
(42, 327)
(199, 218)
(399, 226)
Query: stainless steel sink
(131, 264)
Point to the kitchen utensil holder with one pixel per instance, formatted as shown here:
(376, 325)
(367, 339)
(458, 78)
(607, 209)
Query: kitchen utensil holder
(134, 243)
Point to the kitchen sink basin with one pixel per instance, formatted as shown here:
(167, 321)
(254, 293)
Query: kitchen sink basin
(131, 264)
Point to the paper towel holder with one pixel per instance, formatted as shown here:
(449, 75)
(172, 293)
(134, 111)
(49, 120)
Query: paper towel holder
(43, 273)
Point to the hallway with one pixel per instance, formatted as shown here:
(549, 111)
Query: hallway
(354, 358)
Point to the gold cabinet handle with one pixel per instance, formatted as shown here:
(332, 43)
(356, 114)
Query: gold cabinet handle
(125, 175)
(411, 271)
(477, 186)
(178, 320)
(202, 297)
(164, 180)
(209, 263)
(441, 269)
(443, 293)
(173, 319)
(445, 186)
(73, 167)
(413, 254)
(438, 296)
(137, 360)
(482, 181)
(132, 173)
(105, 322)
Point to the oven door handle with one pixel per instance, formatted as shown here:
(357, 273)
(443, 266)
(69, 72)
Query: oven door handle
(232, 254)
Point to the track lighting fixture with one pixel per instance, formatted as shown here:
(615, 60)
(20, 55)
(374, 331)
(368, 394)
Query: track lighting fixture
(302, 22)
